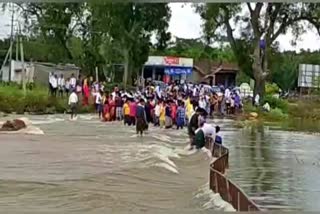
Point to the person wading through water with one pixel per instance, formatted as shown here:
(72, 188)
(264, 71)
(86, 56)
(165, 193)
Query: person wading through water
(73, 102)
(205, 131)
(141, 119)
(194, 124)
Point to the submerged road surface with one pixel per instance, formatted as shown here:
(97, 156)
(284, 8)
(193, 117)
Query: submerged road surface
(87, 166)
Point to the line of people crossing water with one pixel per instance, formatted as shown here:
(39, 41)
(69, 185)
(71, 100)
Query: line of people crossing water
(174, 106)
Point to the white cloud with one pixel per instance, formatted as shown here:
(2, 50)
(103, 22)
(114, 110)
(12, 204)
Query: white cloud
(184, 23)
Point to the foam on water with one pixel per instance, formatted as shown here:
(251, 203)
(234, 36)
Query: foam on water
(214, 200)
(30, 129)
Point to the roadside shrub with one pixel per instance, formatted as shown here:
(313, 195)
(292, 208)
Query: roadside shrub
(276, 103)
(271, 88)
(275, 115)
(37, 101)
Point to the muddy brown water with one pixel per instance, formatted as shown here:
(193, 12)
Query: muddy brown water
(86, 166)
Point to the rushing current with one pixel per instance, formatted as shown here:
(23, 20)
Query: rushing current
(87, 166)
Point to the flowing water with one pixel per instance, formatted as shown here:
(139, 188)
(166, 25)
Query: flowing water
(277, 169)
(87, 166)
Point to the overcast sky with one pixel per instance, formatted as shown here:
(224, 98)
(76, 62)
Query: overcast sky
(185, 23)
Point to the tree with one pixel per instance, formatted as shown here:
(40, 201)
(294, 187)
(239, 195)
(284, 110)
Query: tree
(53, 21)
(196, 49)
(130, 26)
(260, 27)
(284, 69)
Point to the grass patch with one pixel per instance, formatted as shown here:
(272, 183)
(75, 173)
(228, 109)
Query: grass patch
(36, 101)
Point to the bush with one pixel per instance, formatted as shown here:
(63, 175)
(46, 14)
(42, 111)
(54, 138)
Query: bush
(12, 99)
(276, 103)
(271, 89)
(275, 115)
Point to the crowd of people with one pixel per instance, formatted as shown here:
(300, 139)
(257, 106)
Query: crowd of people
(171, 106)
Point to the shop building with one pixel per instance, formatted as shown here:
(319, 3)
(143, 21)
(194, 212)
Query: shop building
(168, 68)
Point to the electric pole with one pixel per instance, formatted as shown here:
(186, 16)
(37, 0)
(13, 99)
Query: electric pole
(24, 72)
(11, 42)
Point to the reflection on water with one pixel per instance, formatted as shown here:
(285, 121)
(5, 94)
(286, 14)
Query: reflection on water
(86, 166)
(278, 169)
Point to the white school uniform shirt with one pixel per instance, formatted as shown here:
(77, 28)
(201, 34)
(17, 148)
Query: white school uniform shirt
(98, 98)
(73, 82)
(227, 93)
(61, 82)
(157, 110)
(54, 82)
(73, 98)
(208, 130)
(67, 85)
(202, 103)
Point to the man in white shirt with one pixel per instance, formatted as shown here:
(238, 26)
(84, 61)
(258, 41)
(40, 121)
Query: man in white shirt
(73, 82)
(204, 131)
(157, 111)
(257, 100)
(73, 102)
(61, 85)
(202, 103)
(49, 81)
(54, 85)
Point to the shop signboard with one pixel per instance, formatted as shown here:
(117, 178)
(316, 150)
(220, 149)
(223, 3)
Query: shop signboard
(169, 61)
(177, 71)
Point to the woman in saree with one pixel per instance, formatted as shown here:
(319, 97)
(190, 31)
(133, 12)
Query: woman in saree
(106, 111)
(86, 92)
(112, 111)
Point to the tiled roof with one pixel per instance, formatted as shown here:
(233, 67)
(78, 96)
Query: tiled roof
(209, 67)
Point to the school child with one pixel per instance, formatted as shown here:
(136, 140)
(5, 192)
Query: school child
(119, 104)
(173, 112)
(73, 102)
(162, 117)
(181, 114)
(141, 120)
(99, 103)
(126, 113)
(157, 111)
(133, 109)
(218, 138)
(168, 117)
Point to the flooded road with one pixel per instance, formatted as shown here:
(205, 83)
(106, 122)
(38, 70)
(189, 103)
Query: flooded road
(87, 166)
(277, 169)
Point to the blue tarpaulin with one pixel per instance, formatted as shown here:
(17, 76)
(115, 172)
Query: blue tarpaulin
(177, 70)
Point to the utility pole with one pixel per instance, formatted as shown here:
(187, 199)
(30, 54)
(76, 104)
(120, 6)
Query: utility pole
(24, 73)
(11, 43)
(17, 47)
